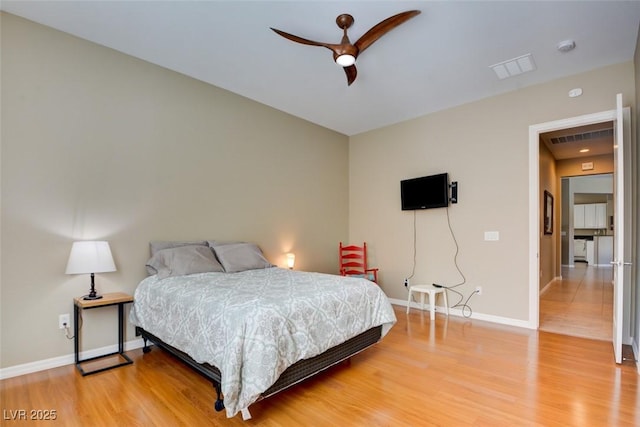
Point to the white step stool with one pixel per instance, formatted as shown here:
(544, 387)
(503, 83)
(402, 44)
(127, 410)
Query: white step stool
(432, 291)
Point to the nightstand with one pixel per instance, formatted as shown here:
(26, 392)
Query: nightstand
(107, 300)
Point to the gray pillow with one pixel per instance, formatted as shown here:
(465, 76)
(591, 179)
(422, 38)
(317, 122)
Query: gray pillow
(236, 257)
(158, 245)
(214, 243)
(183, 260)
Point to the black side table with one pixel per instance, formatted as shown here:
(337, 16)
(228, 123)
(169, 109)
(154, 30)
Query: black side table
(117, 298)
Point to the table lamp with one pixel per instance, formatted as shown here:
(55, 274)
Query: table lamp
(89, 257)
(291, 259)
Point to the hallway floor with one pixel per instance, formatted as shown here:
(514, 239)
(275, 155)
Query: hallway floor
(581, 304)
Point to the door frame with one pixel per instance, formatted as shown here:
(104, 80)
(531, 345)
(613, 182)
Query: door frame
(534, 198)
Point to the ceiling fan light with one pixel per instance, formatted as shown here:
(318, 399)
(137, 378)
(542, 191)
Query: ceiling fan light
(345, 60)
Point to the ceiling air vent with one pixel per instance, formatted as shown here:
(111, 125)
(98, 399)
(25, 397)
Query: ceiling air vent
(598, 134)
(513, 67)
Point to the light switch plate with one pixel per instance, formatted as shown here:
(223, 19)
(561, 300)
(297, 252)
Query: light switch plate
(491, 235)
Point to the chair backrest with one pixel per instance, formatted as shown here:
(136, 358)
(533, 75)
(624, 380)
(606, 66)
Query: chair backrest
(353, 259)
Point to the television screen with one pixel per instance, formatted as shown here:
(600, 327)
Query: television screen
(425, 192)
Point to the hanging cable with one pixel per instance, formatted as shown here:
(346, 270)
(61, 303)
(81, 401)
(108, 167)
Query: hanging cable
(455, 256)
(413, 268)
(466, 308)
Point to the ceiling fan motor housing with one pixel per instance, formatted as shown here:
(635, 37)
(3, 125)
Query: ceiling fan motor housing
(344, 21)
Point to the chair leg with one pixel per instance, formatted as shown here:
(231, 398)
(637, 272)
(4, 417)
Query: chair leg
(432, 305)
(409, 301)
(446, 302)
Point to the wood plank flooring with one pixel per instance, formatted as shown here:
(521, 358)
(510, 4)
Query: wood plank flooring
(581, 304)
(448, 372)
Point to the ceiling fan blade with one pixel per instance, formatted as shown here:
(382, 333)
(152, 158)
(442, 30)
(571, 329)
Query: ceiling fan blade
(351, 73)
(382, 28)
(300, 39)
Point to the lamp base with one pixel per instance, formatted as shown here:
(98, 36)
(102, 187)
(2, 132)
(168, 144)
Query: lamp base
(92, 293)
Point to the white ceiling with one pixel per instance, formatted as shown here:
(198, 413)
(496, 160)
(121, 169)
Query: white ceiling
(436, 60)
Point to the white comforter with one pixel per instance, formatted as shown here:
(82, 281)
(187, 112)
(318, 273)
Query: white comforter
(254, 324)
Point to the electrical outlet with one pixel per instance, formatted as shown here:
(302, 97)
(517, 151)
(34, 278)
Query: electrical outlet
(479, 290)
(63, 320)
(406, 283)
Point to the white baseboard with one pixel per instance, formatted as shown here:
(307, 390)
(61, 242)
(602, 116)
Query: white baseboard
(474, 315)
(548, 285)
(69, 359)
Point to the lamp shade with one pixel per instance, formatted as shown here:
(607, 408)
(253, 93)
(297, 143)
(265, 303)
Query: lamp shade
(90, 257)
(291, 260)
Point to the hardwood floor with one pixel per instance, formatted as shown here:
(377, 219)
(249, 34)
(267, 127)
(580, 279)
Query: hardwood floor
(581, 304)
(448, 372)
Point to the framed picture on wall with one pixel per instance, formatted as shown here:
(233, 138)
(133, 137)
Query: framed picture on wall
(548, 213)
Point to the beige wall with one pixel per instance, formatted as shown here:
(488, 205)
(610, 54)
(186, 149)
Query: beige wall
(573, 167)
(549, 265)
(484, 146)
(99, 145)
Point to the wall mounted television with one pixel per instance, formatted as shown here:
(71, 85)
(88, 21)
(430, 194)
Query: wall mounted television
(425, 192)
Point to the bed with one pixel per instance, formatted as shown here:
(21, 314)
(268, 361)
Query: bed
(252, 328)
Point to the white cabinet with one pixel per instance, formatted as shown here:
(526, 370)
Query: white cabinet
(591, 215)
(578, 216)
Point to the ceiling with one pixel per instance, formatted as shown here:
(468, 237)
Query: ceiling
(592, 140)
(437, 60)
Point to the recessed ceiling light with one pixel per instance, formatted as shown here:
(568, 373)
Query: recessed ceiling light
(566, 46)
(584, 150)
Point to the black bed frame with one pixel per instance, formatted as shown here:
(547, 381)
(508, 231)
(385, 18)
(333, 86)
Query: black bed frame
(295, 373)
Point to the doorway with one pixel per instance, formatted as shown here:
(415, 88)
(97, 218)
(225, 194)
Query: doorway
(622, 217)
(538, 241)
(576, 293)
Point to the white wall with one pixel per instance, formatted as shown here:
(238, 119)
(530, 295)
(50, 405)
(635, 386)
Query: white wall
(483, 145)
(99, 145)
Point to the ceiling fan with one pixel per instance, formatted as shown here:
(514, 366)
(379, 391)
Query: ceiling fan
(346, 53)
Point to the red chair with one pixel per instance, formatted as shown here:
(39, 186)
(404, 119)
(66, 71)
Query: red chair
(353, 262)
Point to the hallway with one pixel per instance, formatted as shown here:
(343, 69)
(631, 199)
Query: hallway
(581, 304)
